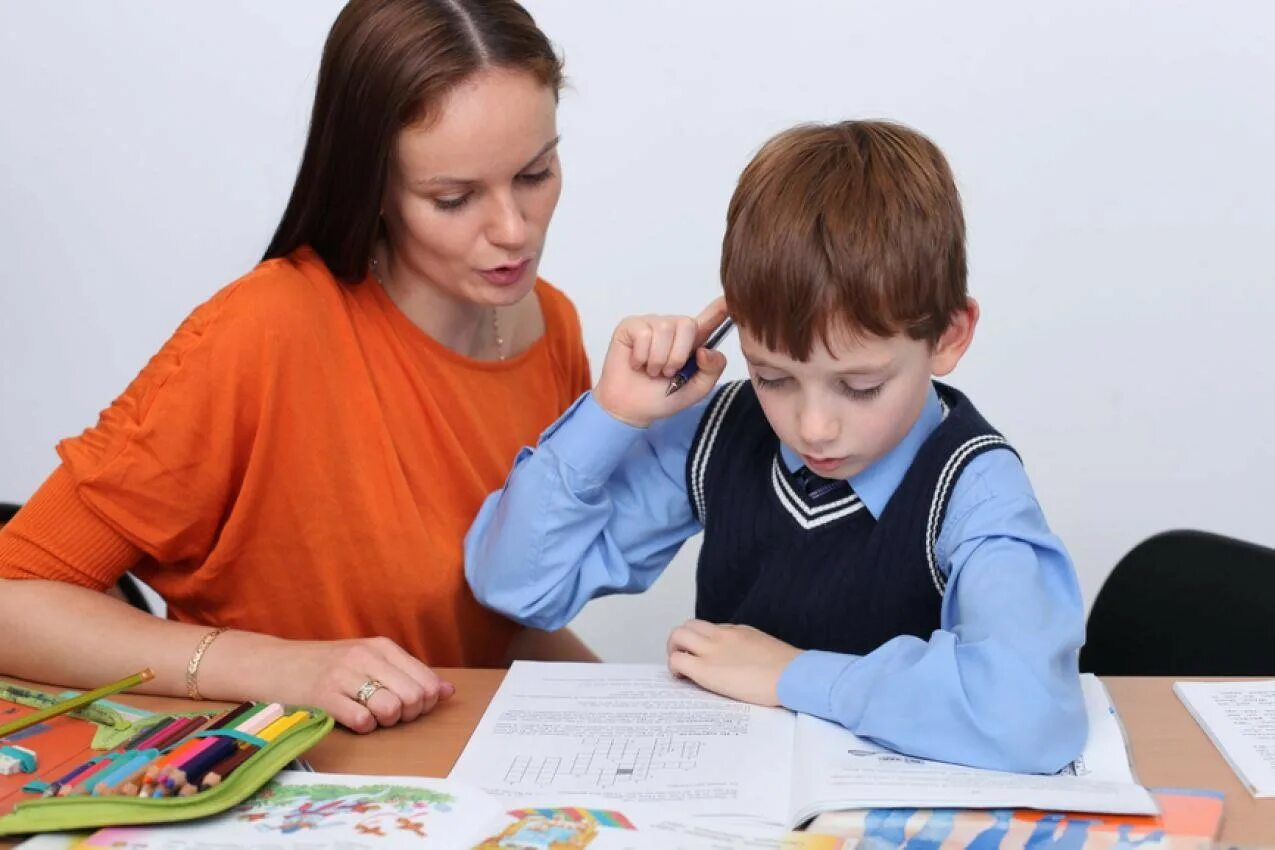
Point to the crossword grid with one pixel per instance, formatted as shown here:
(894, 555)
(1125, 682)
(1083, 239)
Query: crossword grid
(607, 761)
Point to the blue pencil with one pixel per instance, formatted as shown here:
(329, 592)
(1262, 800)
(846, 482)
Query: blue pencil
(122, 770)
(53, 789)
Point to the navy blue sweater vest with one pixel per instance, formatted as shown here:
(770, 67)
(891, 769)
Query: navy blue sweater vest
(821, 572)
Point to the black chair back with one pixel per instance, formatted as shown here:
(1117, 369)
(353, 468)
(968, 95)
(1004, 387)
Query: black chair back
(1185, 603)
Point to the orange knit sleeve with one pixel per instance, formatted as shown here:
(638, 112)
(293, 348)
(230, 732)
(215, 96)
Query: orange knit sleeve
(56, 537)
(164, 461)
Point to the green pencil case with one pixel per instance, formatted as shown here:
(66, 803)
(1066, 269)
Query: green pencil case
(49, 814)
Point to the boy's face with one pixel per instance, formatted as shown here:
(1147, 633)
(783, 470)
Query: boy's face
(852, 402)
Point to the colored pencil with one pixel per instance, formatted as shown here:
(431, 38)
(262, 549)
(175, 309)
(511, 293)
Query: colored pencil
(163, 734)
(84, 781)
(173, 770)
(218, 772)
(56, 785)
(140, 736)
(226, 766)
(76, 701)
(232, 715)
(160, 735)
(170, 763)
(129, 781)
(147, 787)
(194, 764)
(175, 736)
(125, 768)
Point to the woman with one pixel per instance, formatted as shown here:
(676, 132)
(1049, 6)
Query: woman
(296, 468)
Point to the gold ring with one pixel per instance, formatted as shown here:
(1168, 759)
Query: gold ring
(365, 691)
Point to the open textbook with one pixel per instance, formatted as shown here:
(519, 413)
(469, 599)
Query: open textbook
(634, 733)
(327, 811)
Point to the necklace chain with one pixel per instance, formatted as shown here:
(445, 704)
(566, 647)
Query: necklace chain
(495, 326)
(495, 315)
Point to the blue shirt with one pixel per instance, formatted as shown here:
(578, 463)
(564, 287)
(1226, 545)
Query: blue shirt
(601, 507)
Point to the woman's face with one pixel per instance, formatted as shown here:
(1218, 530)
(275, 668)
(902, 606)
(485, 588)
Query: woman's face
(470, 194)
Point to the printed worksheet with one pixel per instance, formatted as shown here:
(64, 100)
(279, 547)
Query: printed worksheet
(1240, 719)
(633, 733)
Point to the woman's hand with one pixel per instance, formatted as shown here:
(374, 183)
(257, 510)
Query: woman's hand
(329, 674)
(238, 665)
(646, 352)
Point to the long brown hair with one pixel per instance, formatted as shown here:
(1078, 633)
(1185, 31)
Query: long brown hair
(855, 226)
(386, 65)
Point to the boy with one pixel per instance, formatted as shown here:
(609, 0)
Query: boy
(873, 553)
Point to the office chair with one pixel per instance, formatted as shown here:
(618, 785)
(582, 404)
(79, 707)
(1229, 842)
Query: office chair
(127, 586)
(1185, 603)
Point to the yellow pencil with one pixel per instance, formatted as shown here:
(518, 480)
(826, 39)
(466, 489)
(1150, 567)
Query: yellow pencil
(75, 702)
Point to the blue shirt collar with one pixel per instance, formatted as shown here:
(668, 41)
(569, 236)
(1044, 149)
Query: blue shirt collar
(876, 484)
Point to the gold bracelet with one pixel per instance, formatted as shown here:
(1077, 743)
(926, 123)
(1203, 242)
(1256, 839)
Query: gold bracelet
(192, 668)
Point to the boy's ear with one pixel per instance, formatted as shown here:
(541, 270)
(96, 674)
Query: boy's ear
(955, 340)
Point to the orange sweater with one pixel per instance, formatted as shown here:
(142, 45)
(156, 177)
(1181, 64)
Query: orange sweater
(300, 459)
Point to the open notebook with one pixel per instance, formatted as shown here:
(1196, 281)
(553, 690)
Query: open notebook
(631, 732)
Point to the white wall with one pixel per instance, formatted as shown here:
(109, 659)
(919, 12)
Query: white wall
(1115, 159)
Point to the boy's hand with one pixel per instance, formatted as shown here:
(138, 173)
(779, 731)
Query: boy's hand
(739, 662)
(646, 352)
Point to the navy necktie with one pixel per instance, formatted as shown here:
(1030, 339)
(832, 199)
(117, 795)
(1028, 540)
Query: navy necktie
(816, 488)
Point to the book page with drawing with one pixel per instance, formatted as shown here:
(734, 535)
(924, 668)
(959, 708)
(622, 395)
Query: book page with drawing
(328, 811)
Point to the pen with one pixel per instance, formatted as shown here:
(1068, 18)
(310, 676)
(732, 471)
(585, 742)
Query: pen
(692, 366)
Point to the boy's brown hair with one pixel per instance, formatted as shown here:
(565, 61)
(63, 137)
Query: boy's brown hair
(852, 227)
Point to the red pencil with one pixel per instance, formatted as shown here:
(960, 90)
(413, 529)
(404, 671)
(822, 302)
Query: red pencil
(169, 733)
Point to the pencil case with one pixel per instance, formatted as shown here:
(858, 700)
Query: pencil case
(47, 814)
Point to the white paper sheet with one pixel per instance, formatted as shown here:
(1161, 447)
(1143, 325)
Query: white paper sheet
(1240, 719)
(630, 732)
(842, 771)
